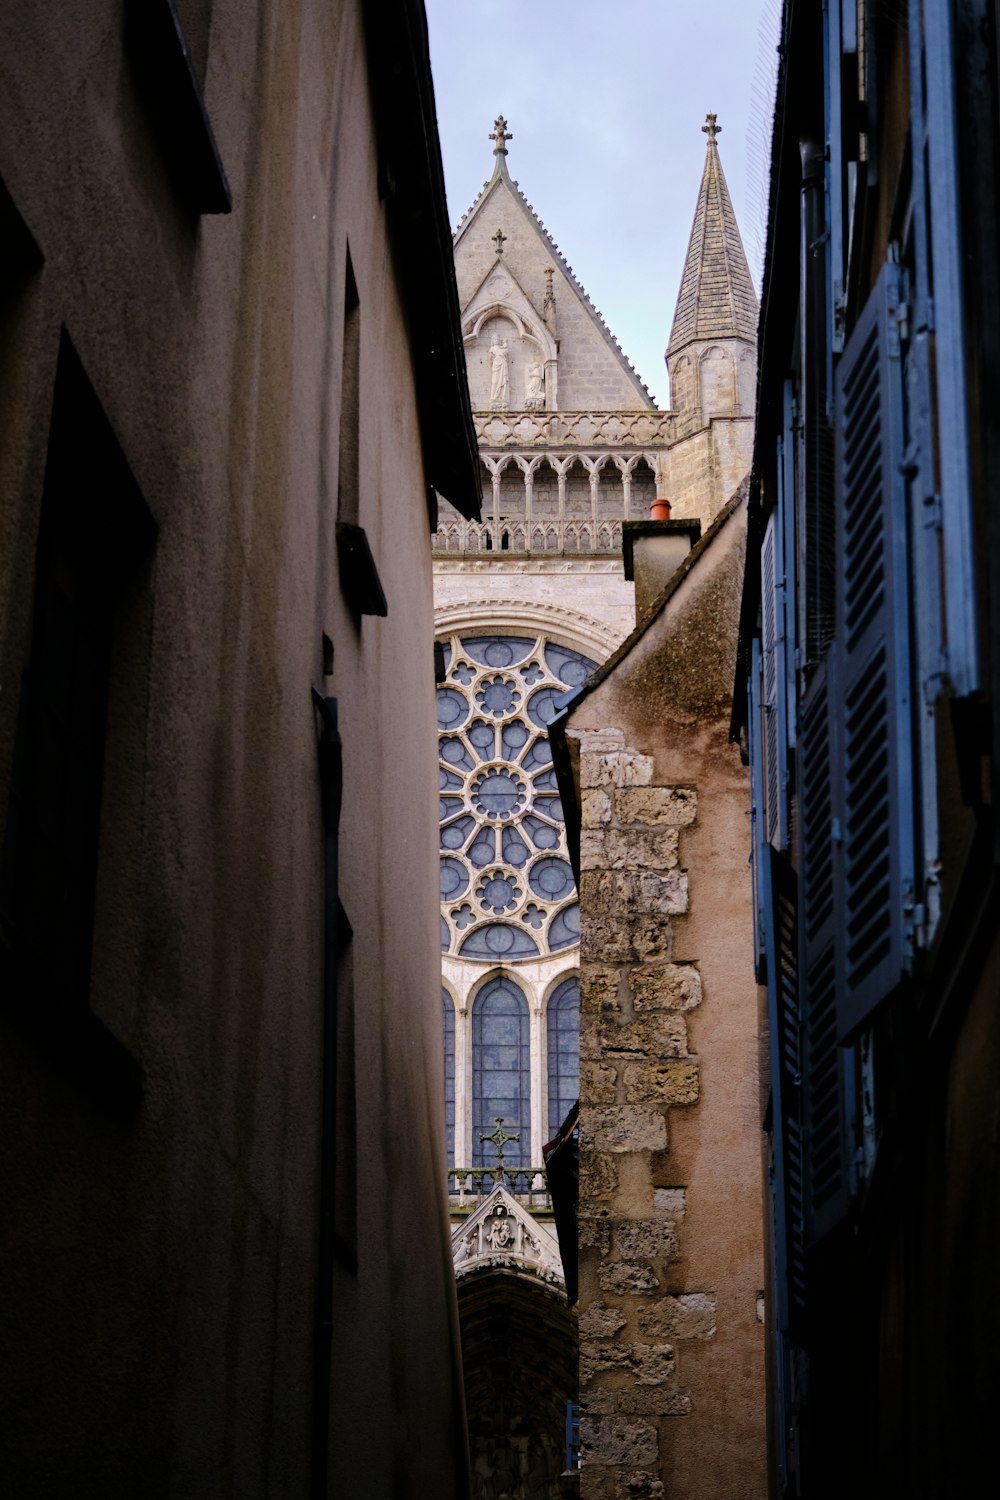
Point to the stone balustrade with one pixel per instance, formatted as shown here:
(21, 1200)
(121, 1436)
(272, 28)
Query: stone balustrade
(512, 534)
(586, 429)
(616, 483)
(468, 1186)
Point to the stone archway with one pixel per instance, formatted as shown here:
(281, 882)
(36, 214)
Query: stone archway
(519, 1350)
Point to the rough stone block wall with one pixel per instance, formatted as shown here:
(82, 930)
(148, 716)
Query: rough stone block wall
(706, 468)
(636, 1070)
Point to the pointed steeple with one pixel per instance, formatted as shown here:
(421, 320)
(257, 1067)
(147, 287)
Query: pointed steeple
(717, 298)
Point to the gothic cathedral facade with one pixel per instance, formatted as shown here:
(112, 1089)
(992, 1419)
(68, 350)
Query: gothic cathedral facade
(529, 600)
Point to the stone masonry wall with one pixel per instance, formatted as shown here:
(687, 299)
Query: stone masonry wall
(636, 1070)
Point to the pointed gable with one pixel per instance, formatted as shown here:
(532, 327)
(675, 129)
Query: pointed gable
(593, 372)
(501, 1233)
(717, 298)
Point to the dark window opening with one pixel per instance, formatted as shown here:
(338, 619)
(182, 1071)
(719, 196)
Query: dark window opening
(94, 533)
(348, 486)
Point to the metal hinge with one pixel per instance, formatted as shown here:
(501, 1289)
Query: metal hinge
(933, 511)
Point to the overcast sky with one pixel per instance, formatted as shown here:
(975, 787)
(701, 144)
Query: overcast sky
(606, 100)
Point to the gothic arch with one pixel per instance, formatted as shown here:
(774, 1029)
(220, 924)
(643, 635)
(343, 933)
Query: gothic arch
(535, 333)
(718, 382)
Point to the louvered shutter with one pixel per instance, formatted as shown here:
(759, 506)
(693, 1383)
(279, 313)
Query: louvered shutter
(768, 653)
(937, 187)
(823, 1064)
(787, 501)
(787, 1167)
(874, 767)
(773, 668)
(757, 843)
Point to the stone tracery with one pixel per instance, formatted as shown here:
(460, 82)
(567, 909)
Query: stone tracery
(502, 834)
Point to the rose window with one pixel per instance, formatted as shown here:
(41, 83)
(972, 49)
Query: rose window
(507, 889)
(498, 893)
(498, 794)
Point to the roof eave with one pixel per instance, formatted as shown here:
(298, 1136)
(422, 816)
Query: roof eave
(412, 185)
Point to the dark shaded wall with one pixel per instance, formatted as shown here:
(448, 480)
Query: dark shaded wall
(159, 1253)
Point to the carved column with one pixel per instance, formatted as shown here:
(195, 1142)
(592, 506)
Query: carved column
(626, 466)
(528, 467)
(561, 465)
(539, 1103)
(594, 467)
(660, 465)
(463, 1084)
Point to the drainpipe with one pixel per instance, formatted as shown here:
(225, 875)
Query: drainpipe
(331, 783)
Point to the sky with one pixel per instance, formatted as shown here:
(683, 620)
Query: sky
(606, 100)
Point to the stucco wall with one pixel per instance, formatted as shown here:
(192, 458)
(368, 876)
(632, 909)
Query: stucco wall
(159, 1282)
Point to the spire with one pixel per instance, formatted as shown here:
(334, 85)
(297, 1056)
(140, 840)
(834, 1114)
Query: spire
(717, 298)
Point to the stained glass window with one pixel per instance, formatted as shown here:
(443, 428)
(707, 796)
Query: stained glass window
(501, 1072)
(563, 1038)
(507, 889)
(449, 1073)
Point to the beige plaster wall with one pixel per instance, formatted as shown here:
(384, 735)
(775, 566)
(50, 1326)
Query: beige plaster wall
(671, 1255)
(159, 1282)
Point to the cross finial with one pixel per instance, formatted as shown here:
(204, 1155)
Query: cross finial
(501, 135)
(499, 239)
(710, 128)
(499, 1137)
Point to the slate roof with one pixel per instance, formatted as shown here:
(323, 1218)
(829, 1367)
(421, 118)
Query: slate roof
(717, 298)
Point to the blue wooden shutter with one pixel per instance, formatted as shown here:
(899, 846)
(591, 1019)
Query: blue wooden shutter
(787, 503)
(773, 756)
(787, 1166)
(834, 178)
(823, 1070)
(937, 188)
(874, 770)
(755, 753)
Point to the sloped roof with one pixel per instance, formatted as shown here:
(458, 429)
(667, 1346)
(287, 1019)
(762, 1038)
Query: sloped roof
(502, 176)
(717, 298)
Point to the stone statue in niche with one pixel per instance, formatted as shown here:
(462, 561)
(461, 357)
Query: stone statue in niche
(470, 1246)
(534, 384)
(499, 374)
(500, 1233)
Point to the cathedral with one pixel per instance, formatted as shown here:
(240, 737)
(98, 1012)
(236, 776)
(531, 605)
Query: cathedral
(530, 600)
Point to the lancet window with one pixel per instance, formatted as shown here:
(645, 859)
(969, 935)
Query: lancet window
(501, 1072)
(563, 1038)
